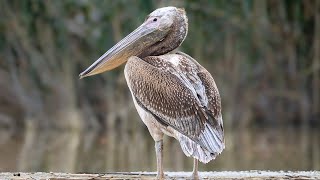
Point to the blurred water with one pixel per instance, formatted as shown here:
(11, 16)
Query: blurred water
(74, 151)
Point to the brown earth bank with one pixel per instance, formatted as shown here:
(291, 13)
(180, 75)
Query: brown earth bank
(254, 174)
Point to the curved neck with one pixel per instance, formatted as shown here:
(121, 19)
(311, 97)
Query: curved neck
(173, 40)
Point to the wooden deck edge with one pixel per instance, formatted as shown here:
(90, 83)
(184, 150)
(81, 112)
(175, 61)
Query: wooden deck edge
(254, 174)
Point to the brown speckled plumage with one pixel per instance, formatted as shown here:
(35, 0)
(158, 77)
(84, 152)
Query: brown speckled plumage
(181, 95)
(172, 92)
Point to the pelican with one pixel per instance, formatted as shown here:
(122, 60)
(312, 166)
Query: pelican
(173, 94)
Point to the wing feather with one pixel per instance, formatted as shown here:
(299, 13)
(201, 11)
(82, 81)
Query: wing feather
(180, 94)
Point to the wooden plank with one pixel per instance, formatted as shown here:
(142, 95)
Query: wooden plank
(169, 175)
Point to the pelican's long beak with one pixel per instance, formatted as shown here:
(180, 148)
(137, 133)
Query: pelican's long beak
(132, 45)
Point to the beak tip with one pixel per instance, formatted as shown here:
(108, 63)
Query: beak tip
(81, 75)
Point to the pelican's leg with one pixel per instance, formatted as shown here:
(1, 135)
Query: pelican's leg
(195, 174)
(159, 154)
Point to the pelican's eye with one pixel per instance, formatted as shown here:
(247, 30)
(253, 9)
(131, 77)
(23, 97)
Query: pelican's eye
(155, 19)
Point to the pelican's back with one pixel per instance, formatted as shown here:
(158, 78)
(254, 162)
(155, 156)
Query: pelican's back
(182, 98)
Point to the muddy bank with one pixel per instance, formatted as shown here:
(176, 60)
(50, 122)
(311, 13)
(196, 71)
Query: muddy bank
(169, 175)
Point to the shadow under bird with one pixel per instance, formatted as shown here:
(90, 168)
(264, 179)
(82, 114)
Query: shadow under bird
(173, 94)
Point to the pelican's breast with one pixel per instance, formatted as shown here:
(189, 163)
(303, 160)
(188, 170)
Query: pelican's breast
(155, 128)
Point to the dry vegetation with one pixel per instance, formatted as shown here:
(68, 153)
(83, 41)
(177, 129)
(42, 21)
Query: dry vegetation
(264, 55)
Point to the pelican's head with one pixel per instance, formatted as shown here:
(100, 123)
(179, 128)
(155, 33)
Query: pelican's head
(162, 31)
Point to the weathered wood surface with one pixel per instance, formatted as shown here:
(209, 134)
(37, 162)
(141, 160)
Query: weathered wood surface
(169, 175)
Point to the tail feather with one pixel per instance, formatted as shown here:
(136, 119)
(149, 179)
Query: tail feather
(210, 144)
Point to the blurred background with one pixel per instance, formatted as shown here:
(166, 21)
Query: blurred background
(264, 56)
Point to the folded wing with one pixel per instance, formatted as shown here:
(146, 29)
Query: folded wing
(181, 94)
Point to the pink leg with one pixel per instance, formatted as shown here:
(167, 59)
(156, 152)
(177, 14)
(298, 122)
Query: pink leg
(195, 174)
(159, 154)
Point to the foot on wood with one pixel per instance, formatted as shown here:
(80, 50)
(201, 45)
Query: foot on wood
(160, 176)
(195, 176)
